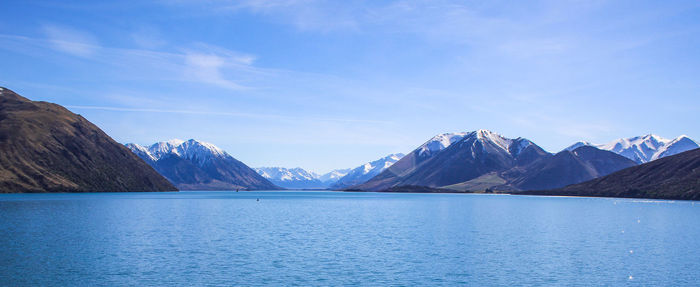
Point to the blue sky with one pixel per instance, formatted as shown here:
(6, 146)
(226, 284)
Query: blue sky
(333, 84)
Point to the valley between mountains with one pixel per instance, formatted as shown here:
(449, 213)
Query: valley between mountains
(46, 148)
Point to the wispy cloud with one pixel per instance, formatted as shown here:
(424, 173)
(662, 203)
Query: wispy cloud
(230, 114)
(310, 15)
(207, 63)
(195, 62)
(147, 37)
(71, 41)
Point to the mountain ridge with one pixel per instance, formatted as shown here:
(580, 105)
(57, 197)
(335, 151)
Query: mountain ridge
(645, 148)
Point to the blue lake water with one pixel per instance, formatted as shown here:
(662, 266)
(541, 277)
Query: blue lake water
(333, 238)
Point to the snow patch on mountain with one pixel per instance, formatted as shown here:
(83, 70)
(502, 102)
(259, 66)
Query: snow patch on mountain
(440, 142)
(521, 144)
(486, 135)
(578, 145)
(676, 146)
(487, 138)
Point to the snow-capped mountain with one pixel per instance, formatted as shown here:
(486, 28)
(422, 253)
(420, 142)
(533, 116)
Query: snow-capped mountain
(678, 145)
(646, 148)
(291, 177)
(482, 160)
(366, 171)
(197, 165)
(194, 150)
(333, 176)
(450, 159)
(336, 179)
(285, 174)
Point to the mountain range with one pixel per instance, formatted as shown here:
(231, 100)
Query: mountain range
(46, 148)
(197, 165)
(483, 160)
(333, 176)
(366, 171)
(293, 178)
(336, 179)
(646, 148)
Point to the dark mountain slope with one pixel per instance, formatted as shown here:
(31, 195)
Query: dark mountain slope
(672, 177)
(46, 148)
(567, 167)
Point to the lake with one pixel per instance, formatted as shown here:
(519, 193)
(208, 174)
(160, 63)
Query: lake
(339, 238)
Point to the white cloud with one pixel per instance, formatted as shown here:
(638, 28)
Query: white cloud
(147, 38)
(206, 68)
(199, 63)
(229, 113)
(71, 41)
(314, 15)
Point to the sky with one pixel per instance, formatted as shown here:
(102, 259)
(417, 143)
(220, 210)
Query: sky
(334, 84)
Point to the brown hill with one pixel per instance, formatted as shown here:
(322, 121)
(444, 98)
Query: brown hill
(46, 148)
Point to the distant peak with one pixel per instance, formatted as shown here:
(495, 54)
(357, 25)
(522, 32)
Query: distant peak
(683, 138)
(653, 136)
(176, 142)
(395, 155)
(489, 136)
(134, 145)
(447, 135)
(577, 145)
(482, 133)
